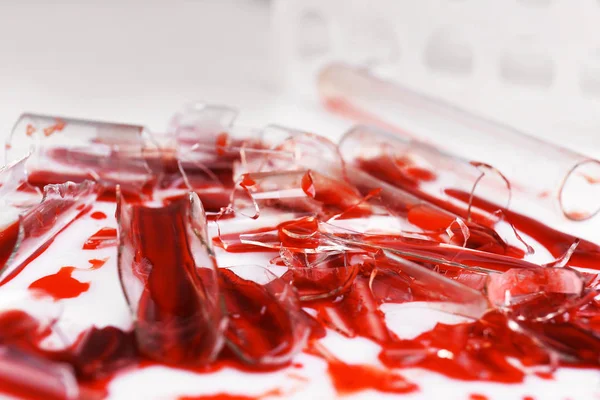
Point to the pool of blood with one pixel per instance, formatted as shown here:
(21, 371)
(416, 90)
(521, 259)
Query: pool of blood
(61, 285)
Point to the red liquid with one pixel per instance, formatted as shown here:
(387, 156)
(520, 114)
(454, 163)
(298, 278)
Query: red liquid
(98, 215)
(545, 375)
(421, 250)
(226, 396)
(355, 313)
(349, 379)
(61, 285)
(213, 198)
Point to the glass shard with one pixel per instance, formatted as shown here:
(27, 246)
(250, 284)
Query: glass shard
(26, 375)
(475, 191)
(397, 280)
(267, 325)
(70, 149)
(31, 231)
(171, 286)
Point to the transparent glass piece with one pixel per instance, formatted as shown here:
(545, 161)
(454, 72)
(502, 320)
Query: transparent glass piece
(557, 185)
(301, 191)
(28, 233)
(516, 286)
(322, 275)
(356, 313)
(267, 325)
(553, 306)
(414, 213)
(67, 149)
(424, 250)
(171, 286)
(428, 174)
(396, 280)
(198, 122)
(27, 375)
(295, 149)
(207, 145)
(295, 235)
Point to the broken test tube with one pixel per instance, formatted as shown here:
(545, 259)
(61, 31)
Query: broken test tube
(72, 149)
(565, 182)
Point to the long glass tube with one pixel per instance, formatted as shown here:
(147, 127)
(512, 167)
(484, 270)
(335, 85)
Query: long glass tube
(562, 183)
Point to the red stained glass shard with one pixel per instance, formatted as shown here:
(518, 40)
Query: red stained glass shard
(395, 280)
(99, 352)
(38, 226)
(586, 254)
(425, 250)
(573, 339)
(170, 285)
(423, 215)
(107, 153)
(355, 313)
(319, 283)
(27, 370)
(553, 306)
(26, 375)
(522, 285)
(267, 325)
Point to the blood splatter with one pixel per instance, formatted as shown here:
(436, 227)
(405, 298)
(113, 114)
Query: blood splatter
(61, 285)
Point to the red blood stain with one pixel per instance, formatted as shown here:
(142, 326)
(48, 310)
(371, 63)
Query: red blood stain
(61, 285)
(98, 215)
(58, 126)
(96, 263)
(354, 378)
(545, 375)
